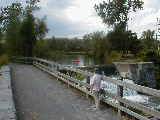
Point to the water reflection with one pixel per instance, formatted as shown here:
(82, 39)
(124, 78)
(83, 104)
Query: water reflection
(76, 60)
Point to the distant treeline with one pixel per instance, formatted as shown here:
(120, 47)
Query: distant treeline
(102, 46)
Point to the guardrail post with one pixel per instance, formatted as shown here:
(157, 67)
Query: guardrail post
(68, 80)
(57, 77)
(87, 89)
(57, 67)
(120, 94)
(52, 67)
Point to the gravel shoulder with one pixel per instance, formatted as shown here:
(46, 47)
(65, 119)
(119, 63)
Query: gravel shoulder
(39, 96)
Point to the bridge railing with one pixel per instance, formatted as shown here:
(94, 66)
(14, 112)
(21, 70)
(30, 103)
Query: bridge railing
(23, 60)
(134, 109)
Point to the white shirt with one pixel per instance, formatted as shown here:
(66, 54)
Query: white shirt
(96, 82)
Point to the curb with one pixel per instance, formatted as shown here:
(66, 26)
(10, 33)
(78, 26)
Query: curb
(7, 106)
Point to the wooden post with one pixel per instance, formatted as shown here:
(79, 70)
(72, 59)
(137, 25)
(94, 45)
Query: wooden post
(120, 94)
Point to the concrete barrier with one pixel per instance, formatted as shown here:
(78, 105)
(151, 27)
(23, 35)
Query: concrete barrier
(7, 106)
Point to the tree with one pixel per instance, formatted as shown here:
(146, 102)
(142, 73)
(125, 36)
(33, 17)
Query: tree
(115, 12)
(10, 14)
(1, 48)
(1, 35)
(28, 28)
(135, 45)
(148, 40)
(32, 6)
(99, 44)
(28, 35)
(41, 49)
(88, 42)
(41, 28)
(21, 28)
(10, 24)
(124, 41)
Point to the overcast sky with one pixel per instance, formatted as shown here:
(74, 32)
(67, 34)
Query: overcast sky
(74, 18)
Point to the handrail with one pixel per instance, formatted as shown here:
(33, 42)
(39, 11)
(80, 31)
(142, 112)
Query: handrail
(51, 67)
(139, 88)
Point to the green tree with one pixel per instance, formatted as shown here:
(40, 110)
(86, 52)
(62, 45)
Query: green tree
(136, 46)
(99, 44)
(41, 49)
(10, 24)
(28, 35)
(41, 28)
(149, 40)
(88, 42)
(124, 41)
(28, 31)
(10, 14)
(32, 6)
(150, 48)
(1, 36)
(115, 12)
(21, 28)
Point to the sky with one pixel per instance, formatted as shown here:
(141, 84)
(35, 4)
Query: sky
(74, 18)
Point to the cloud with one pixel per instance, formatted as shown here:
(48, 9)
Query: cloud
(145, 19)
(78, 17)
(70, 17)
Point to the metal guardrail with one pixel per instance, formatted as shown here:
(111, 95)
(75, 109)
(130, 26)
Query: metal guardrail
(123, 104)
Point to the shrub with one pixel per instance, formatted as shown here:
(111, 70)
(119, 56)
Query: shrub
(4, 60)
(113, 56)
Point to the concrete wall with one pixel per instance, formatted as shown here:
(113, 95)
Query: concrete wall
(141, 73)
(7, 106)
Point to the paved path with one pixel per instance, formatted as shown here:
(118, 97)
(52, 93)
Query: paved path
(39, 96)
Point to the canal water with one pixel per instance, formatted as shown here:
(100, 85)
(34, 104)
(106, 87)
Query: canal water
(84, 60)
(76, 60)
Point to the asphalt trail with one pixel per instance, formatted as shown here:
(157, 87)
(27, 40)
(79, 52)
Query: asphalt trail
(39, 96)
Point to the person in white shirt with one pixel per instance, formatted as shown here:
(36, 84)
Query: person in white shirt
(95, 84)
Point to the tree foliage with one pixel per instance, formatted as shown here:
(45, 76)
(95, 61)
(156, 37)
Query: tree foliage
(42, 49)
(10, 14)
(10, 25)
(21, 28)
(40, 28)
(28, 34)
(1, 48)
(124, 41)
(149, 40)
(115, 12)
(99, 44)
